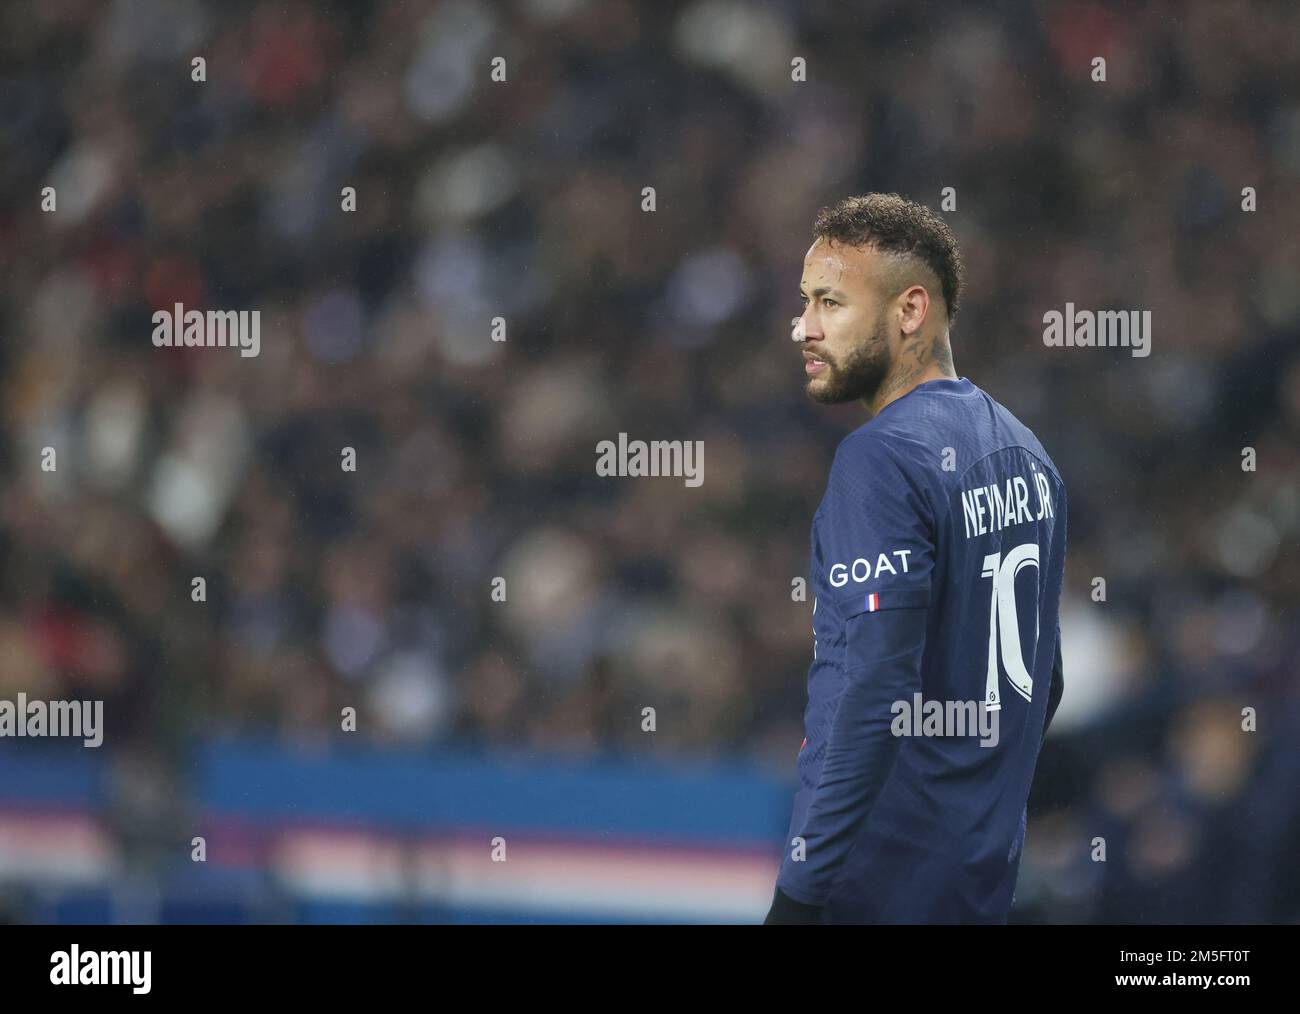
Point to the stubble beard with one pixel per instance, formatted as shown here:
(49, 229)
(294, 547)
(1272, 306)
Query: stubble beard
(857, 376)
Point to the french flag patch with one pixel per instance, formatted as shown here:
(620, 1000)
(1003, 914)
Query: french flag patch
(873, 602)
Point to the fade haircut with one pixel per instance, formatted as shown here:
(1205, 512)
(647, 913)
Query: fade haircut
(909, 231)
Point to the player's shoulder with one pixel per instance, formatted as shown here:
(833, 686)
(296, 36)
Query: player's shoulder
(877, 457)
(922, 434)
(870, 444)
(1020, 433)
(984, 421)
(907, 431)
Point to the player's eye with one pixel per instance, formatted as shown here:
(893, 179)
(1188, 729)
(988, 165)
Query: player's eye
(830, 302)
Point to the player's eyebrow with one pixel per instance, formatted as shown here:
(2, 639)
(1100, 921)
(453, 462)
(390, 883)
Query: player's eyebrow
(824, 290)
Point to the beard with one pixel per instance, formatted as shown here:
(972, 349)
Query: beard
(856, 376)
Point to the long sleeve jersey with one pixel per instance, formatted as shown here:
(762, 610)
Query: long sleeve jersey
(937, 559)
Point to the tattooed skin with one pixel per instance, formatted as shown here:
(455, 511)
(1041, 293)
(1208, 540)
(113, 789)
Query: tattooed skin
(903, 377)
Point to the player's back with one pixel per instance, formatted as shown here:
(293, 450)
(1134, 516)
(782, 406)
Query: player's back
(942, 842)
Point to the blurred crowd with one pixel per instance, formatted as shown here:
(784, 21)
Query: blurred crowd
(504, 297)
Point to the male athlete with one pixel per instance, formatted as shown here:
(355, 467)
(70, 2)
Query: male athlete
(937, 556)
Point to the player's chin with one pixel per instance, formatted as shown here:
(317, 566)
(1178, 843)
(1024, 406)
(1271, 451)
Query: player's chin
(823, 391)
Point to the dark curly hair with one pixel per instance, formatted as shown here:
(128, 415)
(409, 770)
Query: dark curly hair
(892, 224)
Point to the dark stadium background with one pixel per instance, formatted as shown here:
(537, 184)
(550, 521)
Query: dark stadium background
(522, 200)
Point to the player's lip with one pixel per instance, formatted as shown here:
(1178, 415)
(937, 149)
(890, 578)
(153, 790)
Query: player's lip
(812, 364)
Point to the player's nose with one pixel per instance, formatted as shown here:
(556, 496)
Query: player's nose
(805, 329)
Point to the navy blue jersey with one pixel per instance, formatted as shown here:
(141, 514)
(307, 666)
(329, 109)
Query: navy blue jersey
(937, 557)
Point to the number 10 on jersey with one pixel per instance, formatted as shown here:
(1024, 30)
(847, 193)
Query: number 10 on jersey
(1004, 623)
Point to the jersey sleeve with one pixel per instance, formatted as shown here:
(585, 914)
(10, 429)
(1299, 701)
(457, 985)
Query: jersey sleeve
(877, 511)
(878, 531)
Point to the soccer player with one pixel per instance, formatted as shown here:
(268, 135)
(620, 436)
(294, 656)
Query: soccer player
(937, 557)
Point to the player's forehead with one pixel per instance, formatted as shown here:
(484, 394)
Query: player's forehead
(835, 265)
